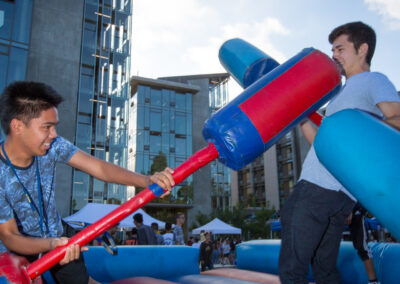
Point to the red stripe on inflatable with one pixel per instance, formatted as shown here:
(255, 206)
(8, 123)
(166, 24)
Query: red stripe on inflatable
(284, 99)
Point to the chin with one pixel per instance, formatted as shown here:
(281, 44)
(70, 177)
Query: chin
(42, 153)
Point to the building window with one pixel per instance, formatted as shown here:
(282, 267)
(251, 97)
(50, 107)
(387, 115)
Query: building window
(180, 123)
(6, 17)
(180, 101)
(155, 120)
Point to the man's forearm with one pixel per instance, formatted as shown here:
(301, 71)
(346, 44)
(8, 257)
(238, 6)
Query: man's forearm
(309, 131)
(394, 122)
(27, 245)
(115, 174)
(107, 171)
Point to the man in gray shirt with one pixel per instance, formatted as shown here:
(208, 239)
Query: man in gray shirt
(145, 234)
(313, 216)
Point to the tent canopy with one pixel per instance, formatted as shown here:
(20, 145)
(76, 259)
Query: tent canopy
(217, 226)
(276, 225)
(92, 212)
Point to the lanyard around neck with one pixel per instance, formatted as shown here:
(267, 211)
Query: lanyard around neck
(27, 194)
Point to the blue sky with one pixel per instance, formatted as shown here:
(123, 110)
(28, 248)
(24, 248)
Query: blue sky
(182, 37)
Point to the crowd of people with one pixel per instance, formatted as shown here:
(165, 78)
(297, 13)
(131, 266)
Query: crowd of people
(143, 234)
(213, 251)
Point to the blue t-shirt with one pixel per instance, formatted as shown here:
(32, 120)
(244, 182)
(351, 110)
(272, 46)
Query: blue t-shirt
(178, 235)
(362, 91)
(13, 201)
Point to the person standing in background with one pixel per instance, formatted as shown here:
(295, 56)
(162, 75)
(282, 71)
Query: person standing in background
(145, 235)
(179, 238)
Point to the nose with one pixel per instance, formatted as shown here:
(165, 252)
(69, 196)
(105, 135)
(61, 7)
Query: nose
(53, 132)
(335, 54)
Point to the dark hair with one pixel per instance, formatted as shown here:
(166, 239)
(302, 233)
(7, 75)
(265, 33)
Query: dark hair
(154, 226)
(26, 100)
(358, 33)
(138, 217)
(168, 226)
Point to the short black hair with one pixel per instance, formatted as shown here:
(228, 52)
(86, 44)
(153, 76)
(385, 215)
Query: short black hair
(25, 100)
(358, 33)
(154, 226)
(168, 226)
(138, 217)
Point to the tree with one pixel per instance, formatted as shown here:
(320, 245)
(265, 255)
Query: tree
(201, 219)
(113, 200)
(159, 163)
(258, 227)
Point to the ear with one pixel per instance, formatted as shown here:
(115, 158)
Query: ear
(363, 49)
(16, 126)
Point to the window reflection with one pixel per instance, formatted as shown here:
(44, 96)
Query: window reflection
(180, 101)
(3, 71)
(6, 16)
(17, 67)
(22, 21)
(104, 89)
(180, 123)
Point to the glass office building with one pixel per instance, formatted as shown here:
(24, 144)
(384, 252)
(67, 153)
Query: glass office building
(81, 49)
(220, 174)
(102, 114)
(15, 27)
(167, 116)
(161, 131)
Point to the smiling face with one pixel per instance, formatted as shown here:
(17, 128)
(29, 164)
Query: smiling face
(37, 135)
(349, 60)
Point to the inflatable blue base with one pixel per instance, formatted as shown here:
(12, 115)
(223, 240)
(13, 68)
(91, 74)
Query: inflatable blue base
(161, 262)
(180, 264)
(263, 256)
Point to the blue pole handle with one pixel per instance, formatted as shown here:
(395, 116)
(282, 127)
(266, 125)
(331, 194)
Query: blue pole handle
(156, 189)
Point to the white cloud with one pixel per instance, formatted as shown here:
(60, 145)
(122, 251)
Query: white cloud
(182, 37)
(161, 31)
(259, 34)
(389, 9)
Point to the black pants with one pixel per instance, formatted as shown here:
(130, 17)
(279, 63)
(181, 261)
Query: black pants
(209, 265)
(312, 222)
(359, 236)
(71, 273)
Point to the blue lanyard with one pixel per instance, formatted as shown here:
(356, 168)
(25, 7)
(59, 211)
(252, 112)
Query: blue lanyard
(28, 196)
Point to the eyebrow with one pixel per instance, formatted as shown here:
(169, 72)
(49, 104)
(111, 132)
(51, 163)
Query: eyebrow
(50, 123)
(337, 46)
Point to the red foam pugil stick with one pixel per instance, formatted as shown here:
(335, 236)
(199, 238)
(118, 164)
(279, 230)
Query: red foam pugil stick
(196, 161)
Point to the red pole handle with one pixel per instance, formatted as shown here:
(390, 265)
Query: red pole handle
(196, 161)
(316, 118)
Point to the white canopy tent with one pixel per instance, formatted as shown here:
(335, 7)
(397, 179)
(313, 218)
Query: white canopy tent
(217, 226)
(92, 212)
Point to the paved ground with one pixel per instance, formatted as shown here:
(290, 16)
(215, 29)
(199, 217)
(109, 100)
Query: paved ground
(224, 266)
